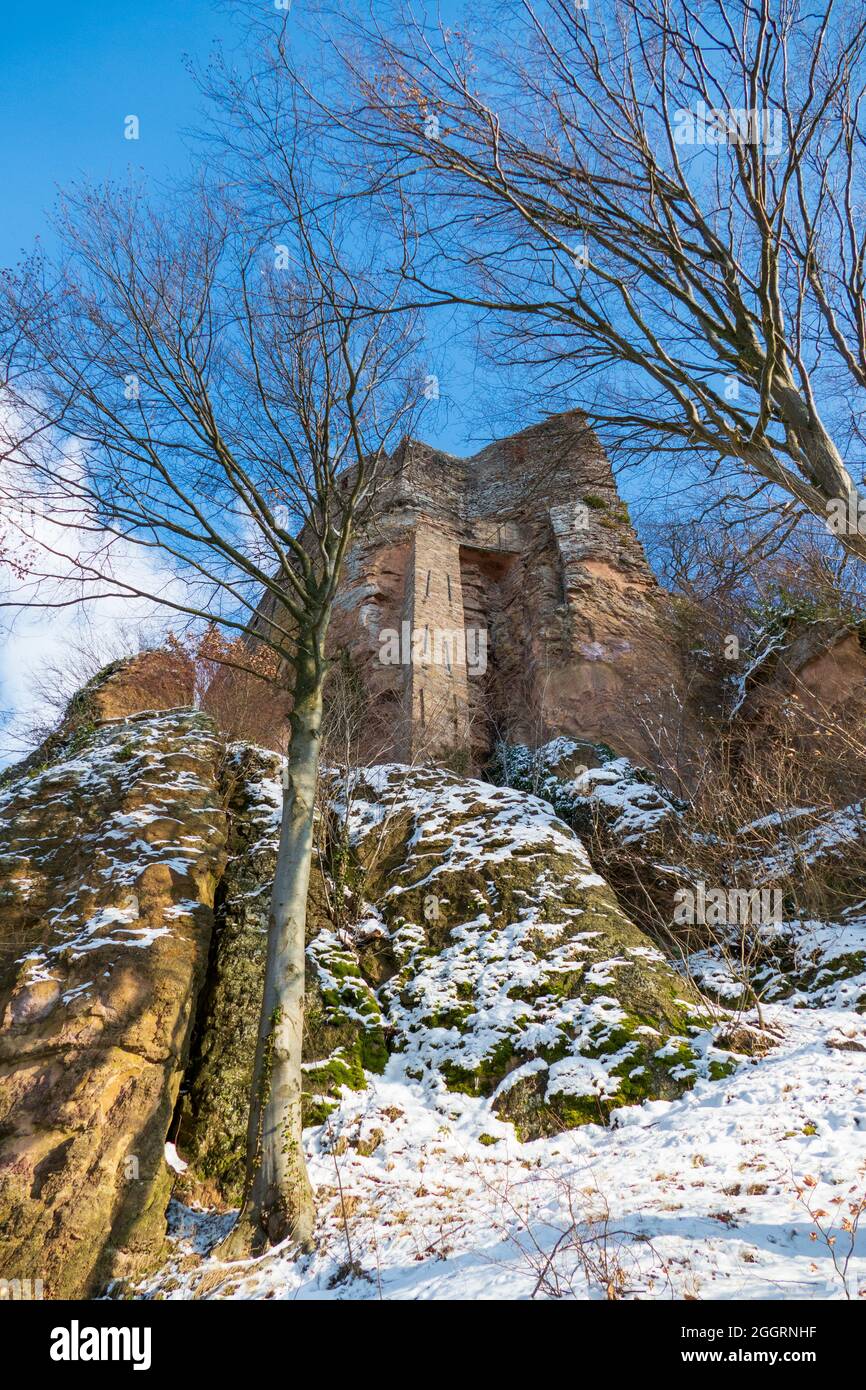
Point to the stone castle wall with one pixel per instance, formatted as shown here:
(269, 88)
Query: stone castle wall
(528, 548)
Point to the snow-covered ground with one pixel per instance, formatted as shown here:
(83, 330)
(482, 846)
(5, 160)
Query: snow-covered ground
(741, 1189)
(747, 1187)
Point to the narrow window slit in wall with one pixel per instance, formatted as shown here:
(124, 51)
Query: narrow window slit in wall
(427, 588)
(448, 577)
(421, 702)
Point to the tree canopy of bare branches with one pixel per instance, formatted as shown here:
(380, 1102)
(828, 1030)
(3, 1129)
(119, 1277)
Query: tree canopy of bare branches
(662, 201)
(218, 380)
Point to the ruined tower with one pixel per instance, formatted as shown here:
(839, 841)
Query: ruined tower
(504, 595)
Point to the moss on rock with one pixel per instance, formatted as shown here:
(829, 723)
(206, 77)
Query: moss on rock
(510, 951)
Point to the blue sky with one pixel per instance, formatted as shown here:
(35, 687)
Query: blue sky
(72, 71)
(69, 75)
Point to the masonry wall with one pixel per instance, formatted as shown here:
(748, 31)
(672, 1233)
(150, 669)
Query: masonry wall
(437, 692)
(529, 542)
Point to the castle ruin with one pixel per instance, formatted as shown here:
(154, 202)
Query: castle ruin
(504, 595)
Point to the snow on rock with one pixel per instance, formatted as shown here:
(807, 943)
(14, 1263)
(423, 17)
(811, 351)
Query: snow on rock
(585, 782)
(811, 964)
(174, 1160)
(721, 1194)
(476, 947)
(834, 835)
(507, 948)
(111, 845)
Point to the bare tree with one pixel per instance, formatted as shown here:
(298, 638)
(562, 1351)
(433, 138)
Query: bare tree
(183, 386)
(665, 202)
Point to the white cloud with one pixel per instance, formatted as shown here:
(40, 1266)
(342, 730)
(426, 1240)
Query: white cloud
(41, 562)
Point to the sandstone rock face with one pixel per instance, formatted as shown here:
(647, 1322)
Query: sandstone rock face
(822, 662)
(477, 951)
(109, 857)
(152, 680)
(514, 975)
(533, 610)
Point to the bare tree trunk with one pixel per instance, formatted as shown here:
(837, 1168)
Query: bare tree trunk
(315, 381)
(278, 1204)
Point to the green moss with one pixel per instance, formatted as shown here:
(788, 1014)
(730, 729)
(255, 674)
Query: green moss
(342, 1068)
(316, 1109)
(374, 1052)
(569, 1112)
(455, 1017)
(719, 1070)
(480, 1080)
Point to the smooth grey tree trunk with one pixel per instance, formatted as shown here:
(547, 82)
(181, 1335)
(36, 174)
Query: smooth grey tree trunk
(278, 1203)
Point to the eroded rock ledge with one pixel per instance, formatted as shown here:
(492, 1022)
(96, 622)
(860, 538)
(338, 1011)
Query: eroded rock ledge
(109, 859)
(474, 949)
(457, 936)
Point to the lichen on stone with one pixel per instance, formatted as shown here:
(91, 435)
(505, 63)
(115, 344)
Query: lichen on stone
(509, 950)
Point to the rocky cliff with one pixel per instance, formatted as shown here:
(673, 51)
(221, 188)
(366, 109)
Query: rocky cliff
(459, 939)
(109, 859)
